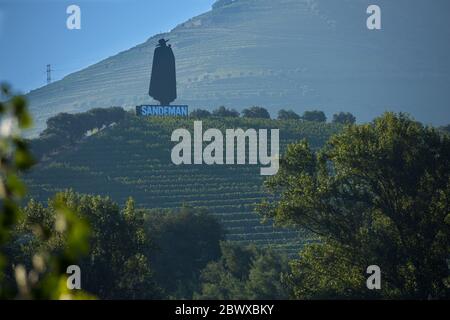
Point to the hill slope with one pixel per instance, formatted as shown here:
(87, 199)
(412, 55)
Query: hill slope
(132, 158)
(278, 53)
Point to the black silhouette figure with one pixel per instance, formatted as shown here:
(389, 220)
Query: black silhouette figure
(163, 82)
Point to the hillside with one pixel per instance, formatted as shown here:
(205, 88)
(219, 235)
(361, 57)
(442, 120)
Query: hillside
(132, 158)
(299, 54)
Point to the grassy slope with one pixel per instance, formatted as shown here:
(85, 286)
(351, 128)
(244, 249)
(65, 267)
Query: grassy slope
(133, 159)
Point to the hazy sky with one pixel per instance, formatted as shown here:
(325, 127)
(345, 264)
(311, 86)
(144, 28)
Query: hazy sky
(33, 33)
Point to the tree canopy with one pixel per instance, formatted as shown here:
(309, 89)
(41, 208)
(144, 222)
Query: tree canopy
(376, 194)
(184, 242)
(200, 113)
(287, 115)
(225, 112)
(112, 268)
(344, 118)
(315, 115)
(65, 129)
(244, 273)
(256, 112)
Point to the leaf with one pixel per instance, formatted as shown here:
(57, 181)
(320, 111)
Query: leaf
(77, 231)
(15, 185)
(25, 120)
(23, 159)
(19, 104)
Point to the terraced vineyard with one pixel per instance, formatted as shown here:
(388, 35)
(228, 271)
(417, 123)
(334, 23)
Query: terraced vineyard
(132, 158)
(281, 53)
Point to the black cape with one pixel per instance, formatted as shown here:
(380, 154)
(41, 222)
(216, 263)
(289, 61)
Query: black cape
(163, 83)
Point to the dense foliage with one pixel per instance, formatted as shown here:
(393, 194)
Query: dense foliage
(65, 129)
(132, 253)
(287, 115)
(42, 275)
(116, 266)
(315, 115)
(244, 273)
(200, 114)
(256, 112)
(225, 112)
(184, 242)
(344, 118)
(376, 194)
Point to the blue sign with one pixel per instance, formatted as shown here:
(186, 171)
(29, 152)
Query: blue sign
(162, 111)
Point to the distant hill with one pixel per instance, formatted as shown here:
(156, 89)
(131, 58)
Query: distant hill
(132, 158)
(299, 54)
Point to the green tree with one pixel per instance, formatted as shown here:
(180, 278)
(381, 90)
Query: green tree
(200, 114)
(344, 118)
(225, 113)
(376, 194)
(256, 112)
(287, 115)
(315, 115)
(116, 265)
(65, 129)
(244, 273)
(185, 241)
(74, 126)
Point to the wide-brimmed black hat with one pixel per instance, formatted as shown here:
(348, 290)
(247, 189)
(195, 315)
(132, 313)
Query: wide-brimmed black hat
(162, 42)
